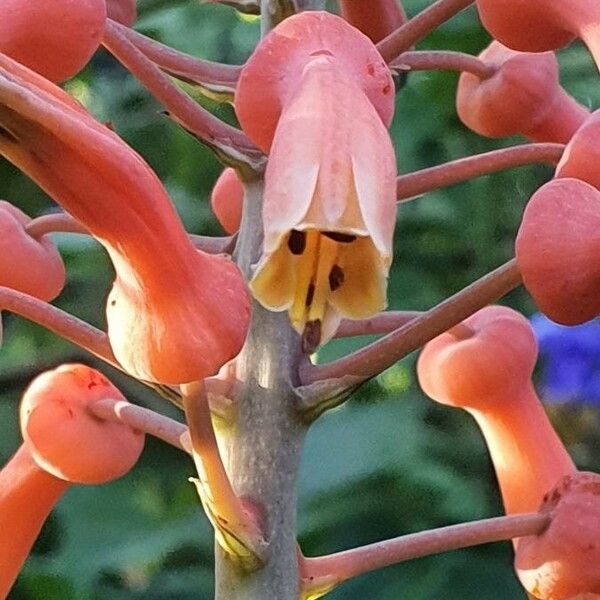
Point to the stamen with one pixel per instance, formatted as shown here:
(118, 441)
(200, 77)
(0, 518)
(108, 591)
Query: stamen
(336, 278)
(297, 242)
(311, 336)
(342, 238)
(310, 294)
(306, 267)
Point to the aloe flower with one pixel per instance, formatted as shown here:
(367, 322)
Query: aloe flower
(329, 203)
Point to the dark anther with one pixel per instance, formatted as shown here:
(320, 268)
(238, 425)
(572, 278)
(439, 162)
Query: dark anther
(11, 137)
(336, 277)
(311, 336)
(342, 238)
(310, 294)
(297, 242)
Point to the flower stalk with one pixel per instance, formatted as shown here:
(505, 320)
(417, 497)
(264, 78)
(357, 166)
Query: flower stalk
(419, 27)
(414, 185)
(323, 574)
(218, 80)
(378, 356)
(229, 143)
(439, 60)
(237, 530)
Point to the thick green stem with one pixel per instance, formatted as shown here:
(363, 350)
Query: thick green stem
(262, 446)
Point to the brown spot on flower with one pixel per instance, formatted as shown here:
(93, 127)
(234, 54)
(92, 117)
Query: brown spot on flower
(342, 238)
(311, 337)
(310, 294)
(297, 242)
(336, 278)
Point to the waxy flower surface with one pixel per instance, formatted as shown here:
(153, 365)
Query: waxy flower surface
(329, 204)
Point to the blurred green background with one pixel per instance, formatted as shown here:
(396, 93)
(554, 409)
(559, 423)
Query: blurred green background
(390, 461)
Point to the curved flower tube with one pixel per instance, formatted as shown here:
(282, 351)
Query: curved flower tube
(563, 562)
(328, 212)
(540, 25)
(64, 444)
(227, 200)
(175, 314)
(557, 249)
(522, 97)
(122, 11)
(485, 368)
(27, 496)
(376, 19)
(29, 265)
(557, 244)
(57, 52)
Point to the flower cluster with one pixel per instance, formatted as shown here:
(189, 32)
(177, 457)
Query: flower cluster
(309, 200)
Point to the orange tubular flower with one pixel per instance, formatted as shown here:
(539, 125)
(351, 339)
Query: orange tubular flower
(486, 369)
(559, 238)
(540, 25)
(557, 250)
(563, 562)
(26, 264)
(376, 19)
(522, 97)
(175, 314)
(64, 444)
(53, 37)
(227, 200)
(329, 202)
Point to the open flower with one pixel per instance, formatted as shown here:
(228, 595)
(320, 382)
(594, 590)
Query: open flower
(329, 202)
(329, 207)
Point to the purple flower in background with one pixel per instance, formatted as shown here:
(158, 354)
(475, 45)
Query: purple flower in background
(570, 360)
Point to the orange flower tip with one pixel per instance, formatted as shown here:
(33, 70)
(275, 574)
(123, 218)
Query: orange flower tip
(513, 100)
(55, 38)
(563, 562)
(269, 77)
(227, 200)
(529, 25)
(582, 155)
(179, 329)
(557, 249)
(28, 265)
(376, 19)
(122, 11)
(469, 371)
(65, 439)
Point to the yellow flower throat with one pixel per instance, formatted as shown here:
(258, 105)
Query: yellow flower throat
(318, 275)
